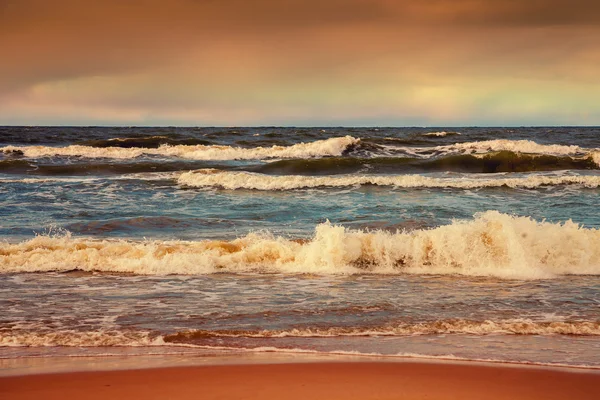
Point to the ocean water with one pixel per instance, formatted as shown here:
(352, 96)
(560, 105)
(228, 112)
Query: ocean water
(462, 243)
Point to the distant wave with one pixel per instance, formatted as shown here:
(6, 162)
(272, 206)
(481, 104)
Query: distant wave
(441, 134)
(495, 155)
(145, 142)
(245, 180)
(523, 146)
(503, 161)
(31, 167)
(320, 148)
(492, 244)
(481, 147)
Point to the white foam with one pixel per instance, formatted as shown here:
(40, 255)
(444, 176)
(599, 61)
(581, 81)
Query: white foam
(247, 180)
(320, 148)
(441, 357)
(517, 146)
(78, 339)
(596, 157)
(455, 326)
(521, 146)
(492, 244)
(441, 134)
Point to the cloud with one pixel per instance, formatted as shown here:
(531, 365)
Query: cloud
(250, 60)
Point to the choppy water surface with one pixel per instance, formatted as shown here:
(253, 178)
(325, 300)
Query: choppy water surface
(475, 243)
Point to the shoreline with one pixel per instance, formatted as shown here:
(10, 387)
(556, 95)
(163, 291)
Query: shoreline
(306, 377)
(70, 363)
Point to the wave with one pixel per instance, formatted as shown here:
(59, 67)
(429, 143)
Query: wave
(488, 163)
(15, 165)
(522, 146)
(247, 180)
(441, 134)
(452, 326)
(151, 142)
(117, 337)
(479, 147)
(504, 161)
(320, 148)
(99, 338)
(492, 244)
(21, 166)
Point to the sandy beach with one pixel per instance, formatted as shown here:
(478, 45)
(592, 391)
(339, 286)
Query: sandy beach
(337, 380)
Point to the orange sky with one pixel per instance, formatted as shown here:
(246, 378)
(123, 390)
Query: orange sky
(300, 62)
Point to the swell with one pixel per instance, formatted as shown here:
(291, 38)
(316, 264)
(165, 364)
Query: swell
(32, 167)
(320, 148)
(143, 223)
(151, 142)
(489, 163)
(450, 326)
(246, 180)
(504, 161)
(491, 244)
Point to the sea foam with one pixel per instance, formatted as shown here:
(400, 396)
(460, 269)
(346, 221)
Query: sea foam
(192, 338)
(487, 146)
(523, 146)
(247, 180)
(441, 134)
(100, 338)
(450, 326)
(491, 244)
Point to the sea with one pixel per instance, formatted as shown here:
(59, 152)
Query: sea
(436, 243)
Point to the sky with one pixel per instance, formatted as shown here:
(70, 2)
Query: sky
(300, 62)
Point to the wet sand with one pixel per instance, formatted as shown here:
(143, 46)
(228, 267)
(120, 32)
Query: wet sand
(323, 380)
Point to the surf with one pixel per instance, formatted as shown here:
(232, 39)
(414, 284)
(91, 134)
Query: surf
(492, 244)
(320, 148)
(233, 180)
(521, 326)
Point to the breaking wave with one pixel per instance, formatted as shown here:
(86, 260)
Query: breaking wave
(320, 148)
(492, 244)
(247, 180)
(522, 146)
(486, 146)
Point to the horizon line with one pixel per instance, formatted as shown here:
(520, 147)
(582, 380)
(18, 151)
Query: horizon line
(297, 126)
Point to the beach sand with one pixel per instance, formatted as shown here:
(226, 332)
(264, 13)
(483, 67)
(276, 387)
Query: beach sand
(321, 380)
